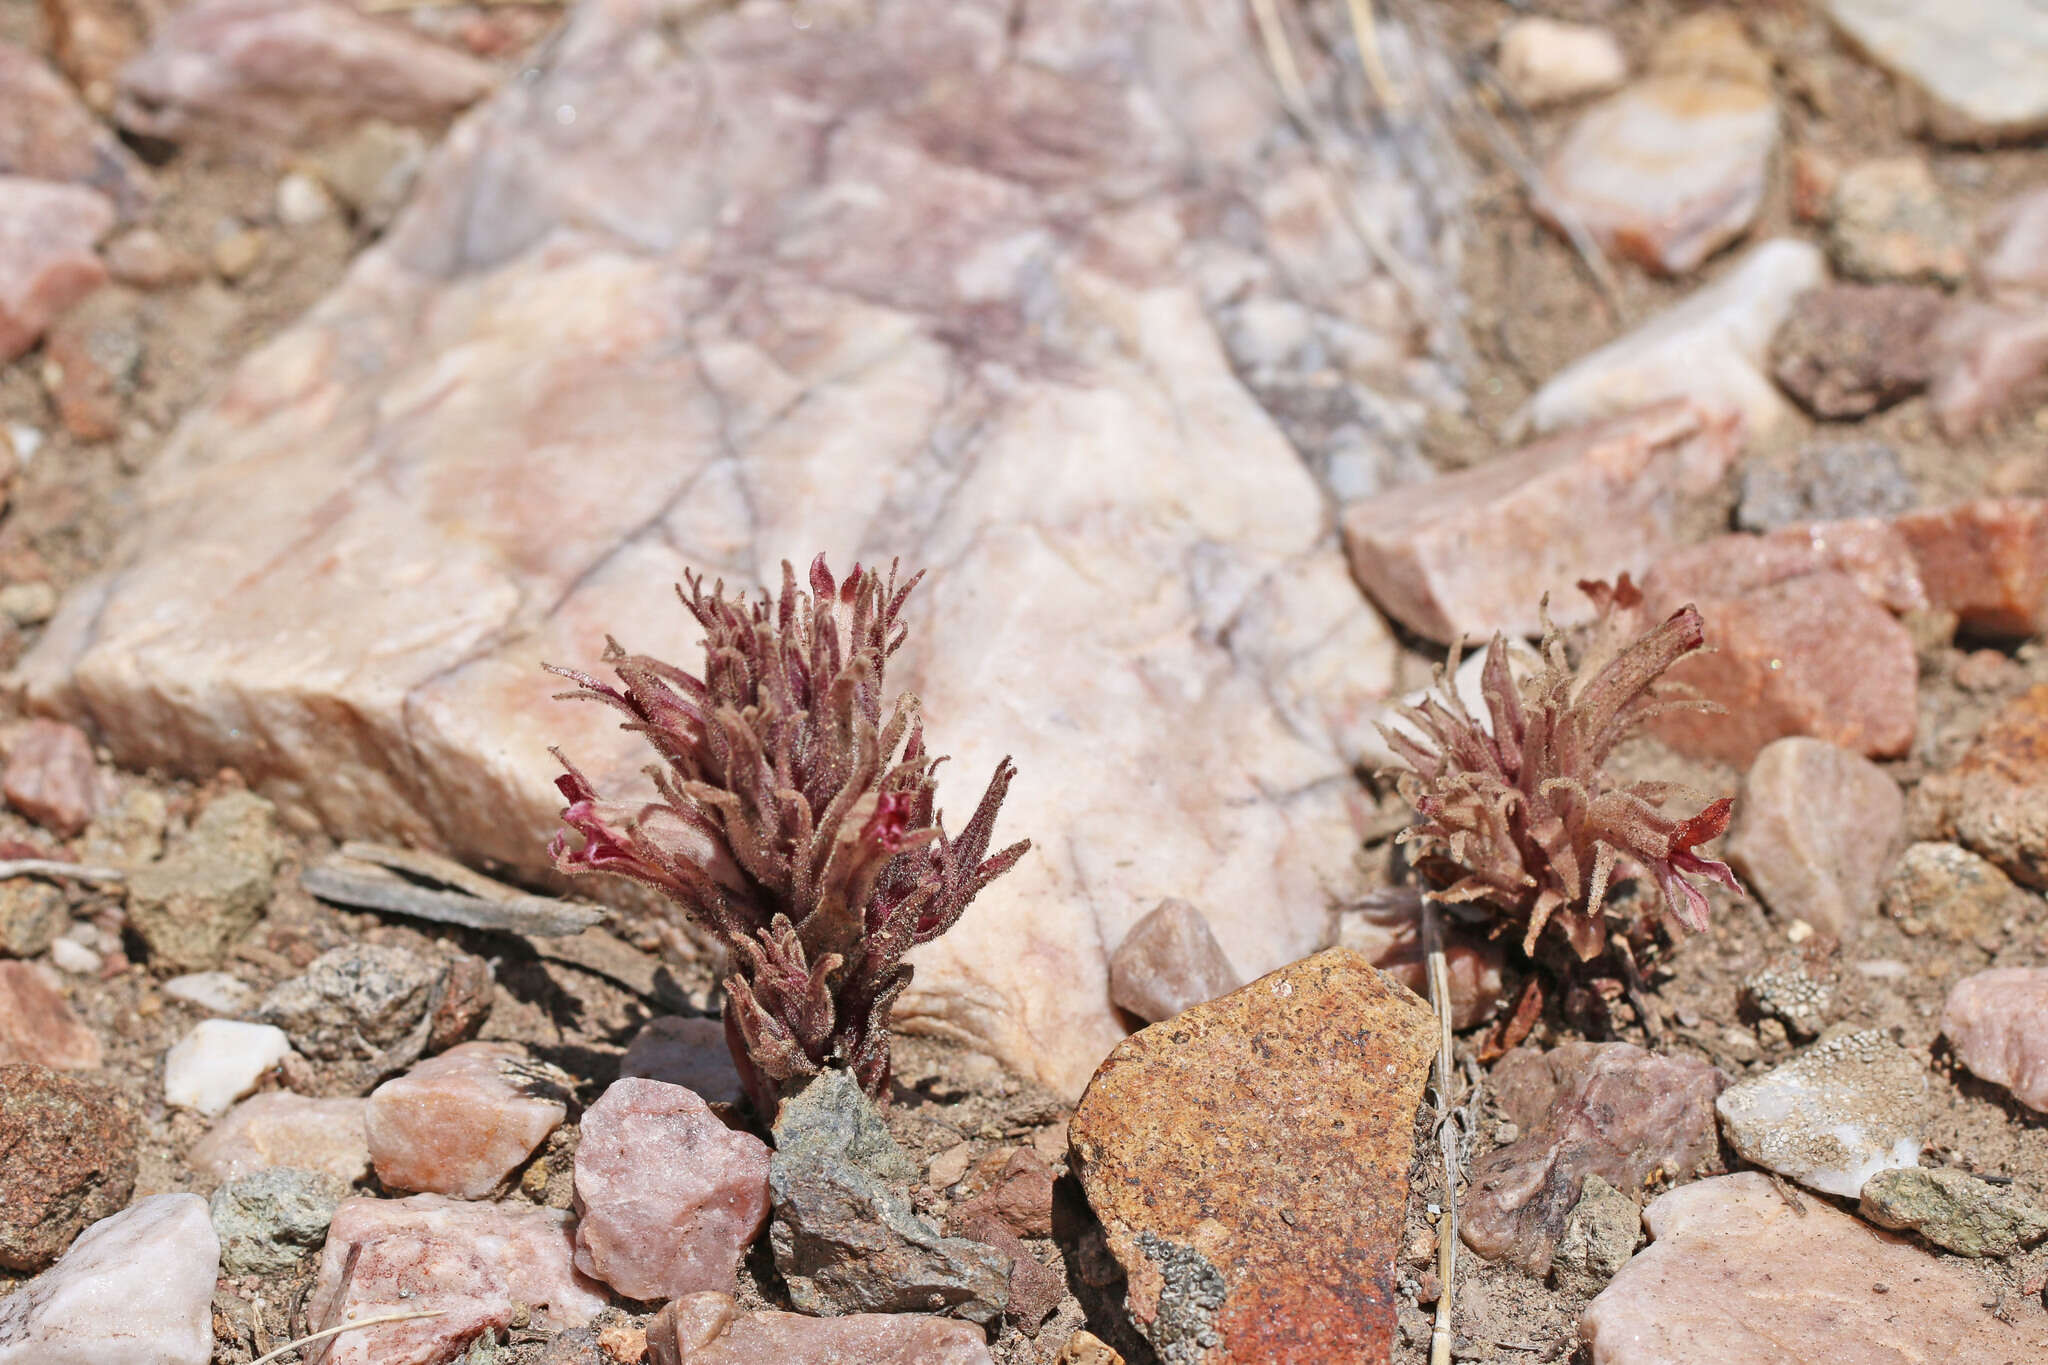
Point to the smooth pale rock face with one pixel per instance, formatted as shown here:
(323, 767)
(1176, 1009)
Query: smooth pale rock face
(1997, 1022)
(460, 1122)
(1979, 67)
(1815, 828)
(1989, 361)
(1474, 552)
(286, 1130)
(47, 232)
(1667, 171)
(1833, 1116)
(708, 1329)
(691, 1053)
(1169, 961)
(592, 355)
(272, 71)
(667, 1197)
(2013, 263)
(67, 1158)
(1736, 1273)
(1546, 61)
(220, 1061)
(1712, 348)
(214, 992)
(50, 776)
(135, 1289)
(1249, 1161)
(47, 134)
(37, 1025)
(478, 1262)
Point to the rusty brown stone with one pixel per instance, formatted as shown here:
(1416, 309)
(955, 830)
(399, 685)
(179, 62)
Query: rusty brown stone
(1986, 561)
(1249, 1162)
(2001, 789)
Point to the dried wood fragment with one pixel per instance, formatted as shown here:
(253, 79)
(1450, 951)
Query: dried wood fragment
(368, 877)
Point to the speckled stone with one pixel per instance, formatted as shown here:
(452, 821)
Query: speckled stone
(1946, 887)
(708, 1329)
(67, 1157)
(461, 1122)
(1833, 1116)
(1249, 1161)
(1954, 1211)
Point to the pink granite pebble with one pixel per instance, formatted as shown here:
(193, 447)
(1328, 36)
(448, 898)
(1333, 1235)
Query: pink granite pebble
(688, 1052)
(669, 1198)
(1169, 961)
(283, 1129)
(50, 776)
(708, 1329)
(474, 1262)
(47, 232)
(1997, 1022)
(460, 1122)
(36, 1025)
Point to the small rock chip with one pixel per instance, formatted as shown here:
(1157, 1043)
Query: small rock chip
(219, 1062)
(845, 1236)
(1786, 989)
(51, 776)
(92, 357)
(1169, 961)
(47, 263)
(482, 1264)
(301, 200)
(1085, 1348)
(1997, 1022)
(2002, 789)
(1990, 361)
(67, 1157)
(268, 1221)
(2014, 262)
(1954, 1211)
(1829, 481)
(215, 992)
(1021, 1197)
(1249, 1161)
(460, 1123)
(368, 1004)
(144, 259)
(285, 1130)
(708, 1329)
(1947, 887)
(134, 1289)
(32, 914)
(949, 1167)
(691, 1053)
(192, 905)
(36, 1025)
(29, 604)
(1545, 61)
(667, 1197)
(1815, 827)
(1606, 1109)
(371, 170)
(1600, 1234)
(1833, 1116)
(237, 250)
(1888, 221)
(1986, 561)
(1738, 1273)
(467, 988)
(1852, 349)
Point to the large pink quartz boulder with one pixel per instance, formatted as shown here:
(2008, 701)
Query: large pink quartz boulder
(708, 1329)
(1997, 1022)
(475, 1263)
(460, 1122)
(669, 1198)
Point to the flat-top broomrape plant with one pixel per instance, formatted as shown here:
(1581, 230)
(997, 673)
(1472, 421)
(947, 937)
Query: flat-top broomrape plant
(1523, 818)
(794, 818)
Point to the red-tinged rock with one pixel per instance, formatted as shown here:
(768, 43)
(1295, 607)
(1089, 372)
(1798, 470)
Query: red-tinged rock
(1811, 655)
(709, 1329)
(1997, 1022)
(284, 71)
(1738, 1272)
(1815, 828)
(281, 1129)
(1986, 561)
(36, 1025)
(1387, 928)
(67, 1158)
(1872, 553)
(477, 1263)
(1020, 1197)
(1606, 1109)
(460, 1122)
(46, 134)
(1249, 1158)
(1034, 1291)
(1852, 349)
(47, 234)
(91, 357)
(1474, 552)
(2014, 261)
(1169, 961)
(668, 1198)
(51, 777)
(1989, 362)
(691, 1053)
(1999, 791)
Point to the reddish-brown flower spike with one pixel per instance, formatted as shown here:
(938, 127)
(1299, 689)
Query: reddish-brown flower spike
(794, 817)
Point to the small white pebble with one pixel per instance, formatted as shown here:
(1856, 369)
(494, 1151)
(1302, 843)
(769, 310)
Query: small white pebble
(74, 957)
(220, 1061)
(1799, 931)
(214, 992)
(302, 200)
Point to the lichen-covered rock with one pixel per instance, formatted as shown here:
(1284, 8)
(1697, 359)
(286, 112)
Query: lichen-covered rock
(461, 1122)
(191, 905)
(1831, 480)
(1815, 828)
(32, 914)
(1248, 1159)
(67, 1158)
(1600, 1234)
(136, 1288)
(709, 1329)
(268, 1221)
(1997, 1022)
(1954, 1211)
(1833, 1116)
(366, 1004)
(1946, 887)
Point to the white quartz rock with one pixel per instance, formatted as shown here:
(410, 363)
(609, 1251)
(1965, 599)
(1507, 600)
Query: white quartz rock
(215, 992)
(135, 1289)
(1833, 1116)
(220, 1061)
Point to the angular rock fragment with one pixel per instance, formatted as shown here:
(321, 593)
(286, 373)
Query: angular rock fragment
(479, 1263)
(1545, 61)
(46, 134)
(67, 1158)
(845, 1236)
(1248, 1159)
(220, 1061)
(1833, 1116)
(1737, 1272)
(1848, 350)
(1986, 560)
(217, 993)
(2002, 789)
(285, 1130)
(1979, 68)
(1829, 481)
(1997, 1022)
(1713, 349)
(1614, 1111)
(1888, 221)
(190, 906)
(1034, 1291)
(92, 357)
(1954, 1211)
(1989, 361)
(667, 1197)
(708, 1328)
(1020, 1198)
(1169, 961)
(1815, 828)
(37, 1025)
(51, 777)
(134, 1289)
(32, 914)
(691, 1053)
(1948, 888)
(269, 1221)
(367, 1004)
(459, 1123)
(1472, 553)
(1789, 990)
(1600, 1234)
(47, 234)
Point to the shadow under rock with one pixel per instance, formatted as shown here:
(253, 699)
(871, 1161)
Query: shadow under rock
(1093, 1275)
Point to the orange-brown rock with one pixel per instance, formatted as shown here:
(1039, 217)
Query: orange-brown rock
(1249, 1161)
(36, 1025)
(1986, 561)
(2001, 789)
